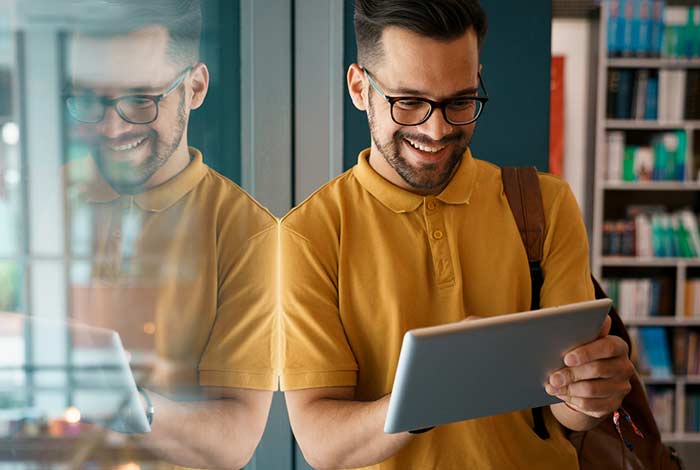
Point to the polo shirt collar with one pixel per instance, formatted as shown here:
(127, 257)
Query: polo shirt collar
(458, 190)
(159, 198)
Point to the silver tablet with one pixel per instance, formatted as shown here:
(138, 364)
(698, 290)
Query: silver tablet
(485, 367)
(56, 366)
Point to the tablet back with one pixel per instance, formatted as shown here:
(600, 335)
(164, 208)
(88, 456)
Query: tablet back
(485, 367)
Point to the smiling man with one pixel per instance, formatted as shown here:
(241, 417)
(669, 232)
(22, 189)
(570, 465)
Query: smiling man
(420, 233)
(180, 260)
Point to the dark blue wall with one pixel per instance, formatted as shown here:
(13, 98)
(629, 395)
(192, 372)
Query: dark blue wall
(514, 129)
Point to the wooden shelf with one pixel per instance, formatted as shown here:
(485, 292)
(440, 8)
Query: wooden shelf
(652, 186)
(653, 63)
(641, 124)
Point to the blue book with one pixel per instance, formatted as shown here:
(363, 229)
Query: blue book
(623, 108)
(655, 298)
(645, 18)
(657, 27)
(613, 10)
(652, 102)
(627, 14)
(655, 344)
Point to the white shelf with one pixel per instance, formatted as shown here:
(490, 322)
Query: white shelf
(662, 321)
(631, 261)
(653, 63)
(652, 186)
(650, 125)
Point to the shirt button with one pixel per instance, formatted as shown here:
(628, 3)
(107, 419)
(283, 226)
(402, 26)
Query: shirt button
(432, 205)
(437, 234)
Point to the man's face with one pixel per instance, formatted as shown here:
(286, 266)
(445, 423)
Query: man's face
(137, 63)
(420, 158)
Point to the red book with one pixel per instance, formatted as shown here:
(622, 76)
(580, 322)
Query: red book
(556, 118)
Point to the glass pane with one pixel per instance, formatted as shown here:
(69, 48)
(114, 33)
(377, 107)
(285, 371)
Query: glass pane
(10, 169)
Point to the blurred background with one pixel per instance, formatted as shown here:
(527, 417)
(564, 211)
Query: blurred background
(603, 94)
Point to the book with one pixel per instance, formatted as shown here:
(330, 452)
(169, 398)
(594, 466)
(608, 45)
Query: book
(613, 15)
(651, 105)
(657, 27)
(613, 89)
(623, 107)
(639, 101)
(655, 348)
(615, 149)
(557, 117)
(692, 98)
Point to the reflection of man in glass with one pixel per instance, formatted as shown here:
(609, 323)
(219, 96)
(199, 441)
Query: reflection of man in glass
(180, 260)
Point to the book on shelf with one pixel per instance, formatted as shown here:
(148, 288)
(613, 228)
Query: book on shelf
(653, 352)
(692, 412)
(661, 402)
(650, 28)
(691, 309)
(653, 233)
(641, 298)
(667, 95)
(692, 99)
(686, 351)
(663, 159)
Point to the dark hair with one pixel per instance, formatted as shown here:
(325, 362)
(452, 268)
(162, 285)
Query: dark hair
(443, 20)
(182, 19)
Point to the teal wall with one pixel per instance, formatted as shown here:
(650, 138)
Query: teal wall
(514, 129)
(215, 127)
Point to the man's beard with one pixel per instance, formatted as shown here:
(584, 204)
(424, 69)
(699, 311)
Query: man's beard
(127, 179)
(428, 176)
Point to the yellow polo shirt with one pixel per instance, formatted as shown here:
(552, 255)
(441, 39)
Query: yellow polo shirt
(186, 272)
(363, 261)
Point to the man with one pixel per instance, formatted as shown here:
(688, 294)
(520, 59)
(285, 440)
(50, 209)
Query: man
(419, 233)
(182, 262)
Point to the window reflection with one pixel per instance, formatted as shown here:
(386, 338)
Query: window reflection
(96, 238)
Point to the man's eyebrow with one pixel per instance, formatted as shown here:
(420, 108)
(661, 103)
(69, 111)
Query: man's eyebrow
(412, 92)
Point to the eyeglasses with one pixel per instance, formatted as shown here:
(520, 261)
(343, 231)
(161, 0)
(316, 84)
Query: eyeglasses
(413, 111)
(134, 109)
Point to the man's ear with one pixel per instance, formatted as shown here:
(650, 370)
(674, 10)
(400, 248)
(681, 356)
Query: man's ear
(356, 87)
(199, 83)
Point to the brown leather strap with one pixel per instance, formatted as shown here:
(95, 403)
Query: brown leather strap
(522, 188)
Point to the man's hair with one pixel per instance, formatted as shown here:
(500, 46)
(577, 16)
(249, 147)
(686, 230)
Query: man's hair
(181, 18)
(443, 20)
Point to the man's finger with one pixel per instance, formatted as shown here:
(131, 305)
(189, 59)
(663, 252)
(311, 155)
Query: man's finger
(603, 369)
(605, 329)
(602, 348)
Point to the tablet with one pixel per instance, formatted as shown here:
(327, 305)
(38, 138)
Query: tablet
(484, 367)
(69, 365)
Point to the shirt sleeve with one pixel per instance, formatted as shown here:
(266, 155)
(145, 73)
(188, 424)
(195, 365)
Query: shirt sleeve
(243, 344)
(565, 263)
(315, 350)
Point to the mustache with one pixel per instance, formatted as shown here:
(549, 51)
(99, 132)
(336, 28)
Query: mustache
(455, 137)
(122, 139)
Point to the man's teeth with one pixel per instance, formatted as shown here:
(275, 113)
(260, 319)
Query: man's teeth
(425, 148)
(122, 148)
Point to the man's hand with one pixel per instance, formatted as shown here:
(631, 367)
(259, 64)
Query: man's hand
(597, 376)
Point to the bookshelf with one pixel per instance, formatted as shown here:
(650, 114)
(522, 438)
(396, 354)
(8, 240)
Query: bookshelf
(612, 198)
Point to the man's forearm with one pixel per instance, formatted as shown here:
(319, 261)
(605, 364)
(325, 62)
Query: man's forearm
(347, 434)
(216, 433)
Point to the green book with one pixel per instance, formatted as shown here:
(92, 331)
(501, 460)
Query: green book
(628, 164)
(681, 155)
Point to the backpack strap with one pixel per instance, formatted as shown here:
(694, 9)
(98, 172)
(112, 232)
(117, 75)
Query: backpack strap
(522, 189)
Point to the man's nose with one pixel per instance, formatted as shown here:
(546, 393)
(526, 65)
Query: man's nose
(436, 127)
(112, 125)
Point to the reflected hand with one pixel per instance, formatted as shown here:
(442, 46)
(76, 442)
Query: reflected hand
(597, 376)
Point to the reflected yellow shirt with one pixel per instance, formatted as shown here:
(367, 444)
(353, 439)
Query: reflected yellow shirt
(186, 272)
(363, 261)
